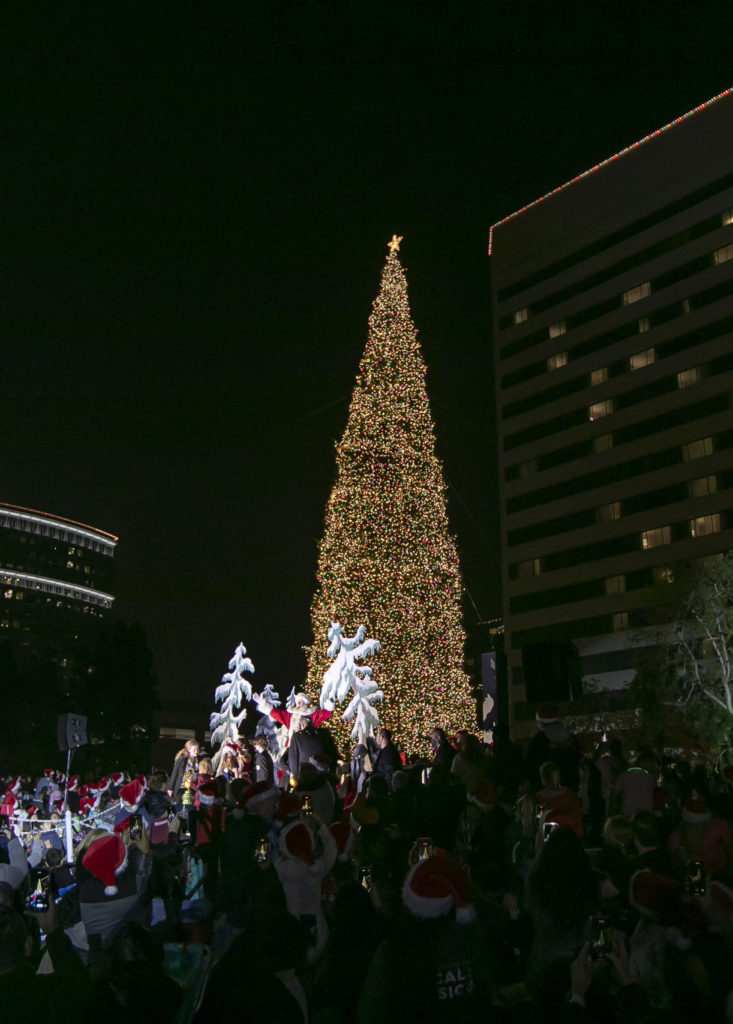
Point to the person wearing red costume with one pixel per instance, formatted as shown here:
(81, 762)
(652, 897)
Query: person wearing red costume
(291, 719)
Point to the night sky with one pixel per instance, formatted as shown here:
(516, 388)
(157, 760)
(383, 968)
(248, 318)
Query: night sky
(196, 200)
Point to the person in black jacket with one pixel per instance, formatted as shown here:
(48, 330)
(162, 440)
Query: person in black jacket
(263, 766)
(305, 744)
(387, 760)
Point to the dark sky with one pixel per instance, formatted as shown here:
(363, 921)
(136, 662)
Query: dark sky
(196, 199)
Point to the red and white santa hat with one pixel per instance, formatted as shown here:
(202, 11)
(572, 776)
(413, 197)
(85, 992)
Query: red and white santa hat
(255, 794)
(296, 840)
(695, 811)
(207, 793)
(72, 783)
(106, 858)
(13, 786)
(117, 779)
(436, 885)
(100, 787)
(131, 795)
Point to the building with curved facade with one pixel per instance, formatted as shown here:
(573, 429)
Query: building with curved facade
(56, 579)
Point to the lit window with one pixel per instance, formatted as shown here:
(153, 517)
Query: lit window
(527, 468)
(702, 486)
(663, 574)
(602, 443)
(727, 217)
(724, 254)
(557, 329)
(529, 568)
(653, 538)
(687, 377)
(639, 291)
(615, 584)
(600, 409)
(599, 376)
(697, 449)
(8, 594)
(644, 324)
(620, 621)
(705, 524)
(555, 362)
(520, 315)
(607, 513)
(641, 359)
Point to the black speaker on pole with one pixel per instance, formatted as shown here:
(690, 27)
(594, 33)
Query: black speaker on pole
(71, 731)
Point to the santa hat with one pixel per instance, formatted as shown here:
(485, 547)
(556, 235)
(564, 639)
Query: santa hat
(48, 772)
(655, 895)
(103, 785)
(302, 698)
(105, 858)
(255, 794)
(229, 746)
(695, 811)
(13, 786)
(117, 778)
(72, 783)
(343, 837)
(296, 841)
(434, 886)
(550, 722)
(207, 793)
(131, 795)
(288, 806)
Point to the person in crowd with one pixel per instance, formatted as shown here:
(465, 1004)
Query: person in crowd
(263, 767)
(558, 802)
(701, 837)
(469, 764)
(634, 788)
(182, 779)
(386, 760)
(610, 762)
(306, 745)
(441, 752)
(561, 892)
(303, 707)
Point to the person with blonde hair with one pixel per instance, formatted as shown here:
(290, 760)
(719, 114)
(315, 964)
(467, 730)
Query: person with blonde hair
(182, 780)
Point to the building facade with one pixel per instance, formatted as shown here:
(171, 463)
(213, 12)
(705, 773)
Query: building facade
(56, 578)
(613, 341)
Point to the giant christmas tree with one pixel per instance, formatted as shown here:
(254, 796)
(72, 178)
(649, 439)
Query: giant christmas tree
(387, 560)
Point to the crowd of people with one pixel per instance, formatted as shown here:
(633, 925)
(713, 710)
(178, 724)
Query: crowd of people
(560, 881)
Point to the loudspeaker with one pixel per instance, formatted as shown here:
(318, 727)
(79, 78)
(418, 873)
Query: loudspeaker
(71, 731)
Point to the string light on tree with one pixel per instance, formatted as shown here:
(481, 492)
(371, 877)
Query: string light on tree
(387, 559)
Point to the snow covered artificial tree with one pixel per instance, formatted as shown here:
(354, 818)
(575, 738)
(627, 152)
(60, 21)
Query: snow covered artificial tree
(387, 558)
(275, 734)
(233, 691)
(345, 677)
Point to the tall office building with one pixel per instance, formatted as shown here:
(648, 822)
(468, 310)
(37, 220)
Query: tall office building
(56, 576)
(613, 336)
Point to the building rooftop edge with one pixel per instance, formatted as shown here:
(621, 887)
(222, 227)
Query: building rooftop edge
(608, 160)
(57, 519)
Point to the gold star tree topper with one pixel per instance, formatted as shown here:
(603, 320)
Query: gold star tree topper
(394, 245)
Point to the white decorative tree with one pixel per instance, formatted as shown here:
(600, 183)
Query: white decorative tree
(234, 689)
(267, 726)
(344, 676)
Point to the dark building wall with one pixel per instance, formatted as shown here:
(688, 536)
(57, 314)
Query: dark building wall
(613, 332)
